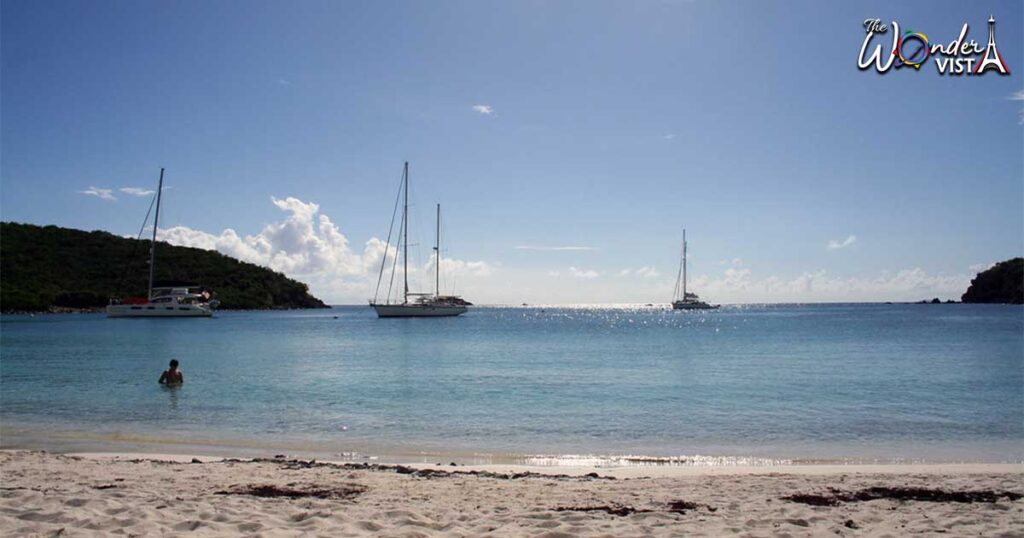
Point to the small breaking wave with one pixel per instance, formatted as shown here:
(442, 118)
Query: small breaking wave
(592, 460)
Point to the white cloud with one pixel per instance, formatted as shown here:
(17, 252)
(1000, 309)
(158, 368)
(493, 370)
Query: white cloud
(669, 136)
(554, 249)
(483, 109)
(1018, 96)
(453, 267)
(979, 267)
(643, 272)
(583, 273)
(725, 285)
(136, 191)
(740, 285)
(284, 82)
(647, 272)
(308, 246)
(836, 245)
(103, 194)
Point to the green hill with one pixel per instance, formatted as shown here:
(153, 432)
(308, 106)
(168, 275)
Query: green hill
(1002, 283)
(46, 266)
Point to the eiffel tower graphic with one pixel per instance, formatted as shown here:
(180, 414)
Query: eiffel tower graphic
(992, 58)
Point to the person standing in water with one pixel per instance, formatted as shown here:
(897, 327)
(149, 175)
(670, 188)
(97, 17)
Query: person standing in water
(172, 375)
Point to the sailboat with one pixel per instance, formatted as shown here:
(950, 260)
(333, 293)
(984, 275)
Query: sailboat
(682, 299)
(164, 299)
(415, 305)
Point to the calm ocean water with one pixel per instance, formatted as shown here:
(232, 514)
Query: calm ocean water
(785, 382)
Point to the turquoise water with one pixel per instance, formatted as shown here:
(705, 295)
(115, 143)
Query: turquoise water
(785, 382)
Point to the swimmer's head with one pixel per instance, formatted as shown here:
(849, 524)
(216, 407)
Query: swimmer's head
(174, 363)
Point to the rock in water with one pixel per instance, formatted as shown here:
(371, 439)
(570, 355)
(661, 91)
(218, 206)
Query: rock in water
(1002, 283)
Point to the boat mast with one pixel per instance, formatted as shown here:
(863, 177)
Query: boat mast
(405, 235)
(684, 264)
(437, 255)
(679, 277)
(152, 246)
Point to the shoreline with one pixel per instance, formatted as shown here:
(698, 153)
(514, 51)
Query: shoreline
(148, 494)
(621, 472)
(552, 462)
(53, 439)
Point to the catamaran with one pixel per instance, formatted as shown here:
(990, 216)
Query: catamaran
(682, 299)
(163, 299)
(414, 305)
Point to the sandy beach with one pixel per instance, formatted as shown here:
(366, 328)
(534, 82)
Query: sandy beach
(132, 495)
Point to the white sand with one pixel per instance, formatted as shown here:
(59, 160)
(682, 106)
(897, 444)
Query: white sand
(69, 495)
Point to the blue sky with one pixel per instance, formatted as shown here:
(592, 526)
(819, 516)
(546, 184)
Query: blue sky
(609, 127)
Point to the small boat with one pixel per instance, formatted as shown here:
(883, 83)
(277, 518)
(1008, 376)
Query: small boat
(682, 299)
(415, 305)
(164, 299)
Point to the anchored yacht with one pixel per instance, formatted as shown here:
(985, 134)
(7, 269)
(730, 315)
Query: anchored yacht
(169, 301)
(163, 300)
(415, 305)
(682, 299)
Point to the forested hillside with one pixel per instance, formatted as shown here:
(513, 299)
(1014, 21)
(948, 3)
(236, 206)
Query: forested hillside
(1002, 283)
(42, 267)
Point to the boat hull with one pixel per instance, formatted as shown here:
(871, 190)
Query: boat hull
(679, 305)
(158, 311)
(418, 310)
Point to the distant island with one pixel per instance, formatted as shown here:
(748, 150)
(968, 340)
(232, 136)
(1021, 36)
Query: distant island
(1002, 283)
(48, 268)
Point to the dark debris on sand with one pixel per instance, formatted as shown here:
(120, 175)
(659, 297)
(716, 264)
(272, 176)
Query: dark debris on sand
(813, 499)
(412, 471)
(676, 507)
(345, 492)
(613, 509)
(903, 494)
(437, 473)
(681, 506)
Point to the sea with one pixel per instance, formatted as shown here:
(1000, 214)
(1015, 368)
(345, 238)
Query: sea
(544, 385)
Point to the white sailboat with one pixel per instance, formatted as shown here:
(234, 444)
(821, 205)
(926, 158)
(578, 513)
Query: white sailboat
(415, 305)
(682, 299)
(163, 300)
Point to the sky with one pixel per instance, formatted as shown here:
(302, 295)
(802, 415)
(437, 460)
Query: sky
(568, 142)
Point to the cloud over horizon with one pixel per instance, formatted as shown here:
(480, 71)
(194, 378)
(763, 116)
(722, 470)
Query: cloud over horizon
(583, 273)
(137, 191)
(740, 285)
(102, 194)
(643, 272)
(308, 246)
(836, 245)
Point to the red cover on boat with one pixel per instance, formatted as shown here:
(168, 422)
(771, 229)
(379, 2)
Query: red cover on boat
(135, 300)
